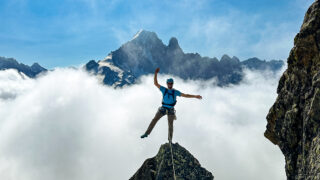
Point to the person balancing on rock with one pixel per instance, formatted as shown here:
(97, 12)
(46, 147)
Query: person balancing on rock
(168, 102)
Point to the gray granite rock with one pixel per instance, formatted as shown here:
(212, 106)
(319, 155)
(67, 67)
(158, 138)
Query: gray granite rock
(159, 167)
(294, 119)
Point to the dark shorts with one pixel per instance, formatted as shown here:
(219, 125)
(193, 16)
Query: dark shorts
(165, 110)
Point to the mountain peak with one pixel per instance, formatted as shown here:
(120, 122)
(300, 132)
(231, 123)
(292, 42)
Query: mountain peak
(144, 35)
(137, 34)
(225, 57)
(160, 167)
(173, 46)
(173, 43)
(35, 65)
(11, 63)
(234, 58)
(145, 52)
(37, 68)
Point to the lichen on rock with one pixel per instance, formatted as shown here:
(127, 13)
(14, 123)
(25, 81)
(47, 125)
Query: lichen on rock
(160, 167)
(294, 119)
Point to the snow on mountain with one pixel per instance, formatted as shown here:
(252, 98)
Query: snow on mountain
(145, 52)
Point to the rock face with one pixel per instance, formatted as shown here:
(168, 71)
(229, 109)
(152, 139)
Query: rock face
(31, 71)
(294, 119)
(145, 52)
(160, 167)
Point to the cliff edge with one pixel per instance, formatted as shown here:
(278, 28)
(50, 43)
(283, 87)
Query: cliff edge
(294, 119)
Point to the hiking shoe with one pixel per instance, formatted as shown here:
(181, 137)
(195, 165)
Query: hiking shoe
(144, 135)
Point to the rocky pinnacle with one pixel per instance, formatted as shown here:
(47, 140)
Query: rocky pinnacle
(160, 167)
(294, 119)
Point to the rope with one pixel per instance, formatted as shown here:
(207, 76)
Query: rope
(159, 168)
(174, 172)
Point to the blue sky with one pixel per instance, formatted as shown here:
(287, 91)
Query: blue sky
(72, 32)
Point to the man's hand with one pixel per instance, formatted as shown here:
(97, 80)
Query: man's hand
(157, 70)
(198, 96)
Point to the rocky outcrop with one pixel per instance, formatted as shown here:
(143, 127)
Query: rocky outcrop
(31, 71)
(160, 167)
(145, 52)
(294, 119)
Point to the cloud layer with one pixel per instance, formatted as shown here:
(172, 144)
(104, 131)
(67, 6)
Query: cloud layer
(65, 125)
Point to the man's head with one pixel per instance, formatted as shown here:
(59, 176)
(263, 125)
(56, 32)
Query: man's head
(170, 83)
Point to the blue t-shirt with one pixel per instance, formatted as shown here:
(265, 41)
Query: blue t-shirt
(169, 97)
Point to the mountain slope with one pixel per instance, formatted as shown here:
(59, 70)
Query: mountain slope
(294, 119)
(145, 52)
(160, 166)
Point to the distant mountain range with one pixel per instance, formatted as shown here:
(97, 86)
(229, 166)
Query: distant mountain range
(31, 71)
(145, 52)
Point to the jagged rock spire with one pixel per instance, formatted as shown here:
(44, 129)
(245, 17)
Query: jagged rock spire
(173, 43)
(145, 52)
(294, 119)
(160, 167)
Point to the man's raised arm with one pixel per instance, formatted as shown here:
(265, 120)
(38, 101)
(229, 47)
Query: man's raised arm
(155, 80)
(191, 96)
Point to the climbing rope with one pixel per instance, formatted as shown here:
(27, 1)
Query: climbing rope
(174, 172)
(159, 168)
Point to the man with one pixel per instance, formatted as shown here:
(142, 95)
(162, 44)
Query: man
(168, 102)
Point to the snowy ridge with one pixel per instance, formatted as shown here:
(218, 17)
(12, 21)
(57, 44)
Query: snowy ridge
(122, 77)
(146, 51)
(109, 57)
(137, 34)
(113, 68)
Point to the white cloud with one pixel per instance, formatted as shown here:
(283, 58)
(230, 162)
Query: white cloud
(275, 41)
(66, 125)
(13, 83)
(240, 34)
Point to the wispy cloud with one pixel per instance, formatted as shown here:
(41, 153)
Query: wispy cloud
(87, 29)
(303, 4)
(242, 35)
(234, 32)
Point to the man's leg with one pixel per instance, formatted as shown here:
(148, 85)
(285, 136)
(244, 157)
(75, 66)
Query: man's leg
(154, 121)
(170, 124)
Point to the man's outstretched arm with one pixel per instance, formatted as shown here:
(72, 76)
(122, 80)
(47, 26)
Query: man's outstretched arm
(155, 80)
(191, 96)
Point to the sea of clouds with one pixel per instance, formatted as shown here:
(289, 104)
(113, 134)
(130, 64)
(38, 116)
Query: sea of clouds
(67, 125)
